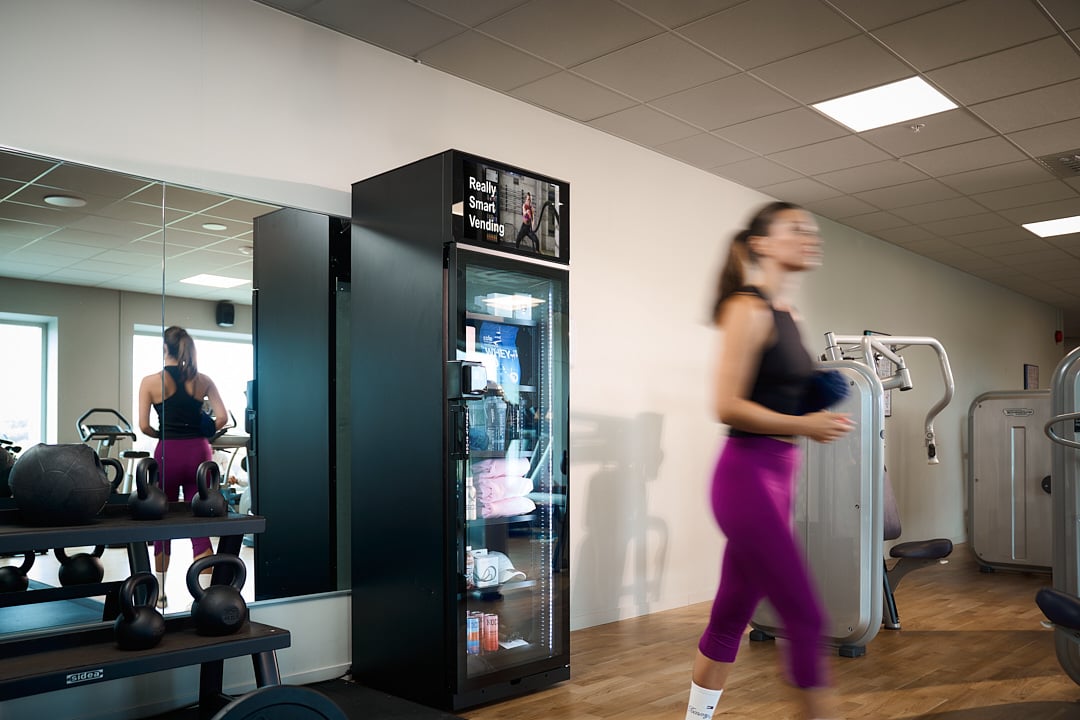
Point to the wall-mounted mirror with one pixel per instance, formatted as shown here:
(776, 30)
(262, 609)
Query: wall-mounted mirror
(94, 264)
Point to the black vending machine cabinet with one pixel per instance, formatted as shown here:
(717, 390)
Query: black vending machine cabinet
(460, 405)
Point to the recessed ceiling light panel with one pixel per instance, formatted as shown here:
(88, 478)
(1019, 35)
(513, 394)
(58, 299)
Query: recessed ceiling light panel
(216, 281)
(1050, 228)
(886, 105)
(214, 226)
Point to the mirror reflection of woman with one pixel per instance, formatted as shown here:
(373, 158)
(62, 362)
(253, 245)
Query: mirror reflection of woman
(177, 393)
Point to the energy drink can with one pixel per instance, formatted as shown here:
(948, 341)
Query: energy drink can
(489, 637)
(472, 634)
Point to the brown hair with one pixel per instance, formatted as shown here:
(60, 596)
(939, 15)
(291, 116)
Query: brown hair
(182, 347)
(733, 274)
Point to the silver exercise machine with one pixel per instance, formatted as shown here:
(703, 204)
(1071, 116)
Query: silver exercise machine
(1009, 481)
(844, 509)
(1060, 604)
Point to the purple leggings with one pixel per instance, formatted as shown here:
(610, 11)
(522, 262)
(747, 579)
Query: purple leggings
(178, 461)
(752, 502)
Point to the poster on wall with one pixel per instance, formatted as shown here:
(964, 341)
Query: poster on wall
(512, 210)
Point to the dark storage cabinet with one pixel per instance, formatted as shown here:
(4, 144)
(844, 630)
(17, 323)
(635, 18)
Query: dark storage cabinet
(459, 488)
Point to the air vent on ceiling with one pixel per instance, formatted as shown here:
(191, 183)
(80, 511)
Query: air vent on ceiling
(1065, 164)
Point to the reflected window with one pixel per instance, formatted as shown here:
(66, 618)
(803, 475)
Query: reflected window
(24, 359)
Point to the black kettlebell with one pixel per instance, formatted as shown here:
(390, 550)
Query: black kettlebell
(81, 568)
(210, 502)
(219, 609)
(139, 627)
(148, 502)
(13, 578)
(118, 476)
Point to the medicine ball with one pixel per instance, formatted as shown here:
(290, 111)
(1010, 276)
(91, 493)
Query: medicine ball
(7, 461)
(61, 484)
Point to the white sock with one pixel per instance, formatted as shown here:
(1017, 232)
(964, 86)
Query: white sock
(702, 702)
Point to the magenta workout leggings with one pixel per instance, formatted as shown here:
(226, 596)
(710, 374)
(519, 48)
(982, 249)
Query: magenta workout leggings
(181, 459)
(752, 502)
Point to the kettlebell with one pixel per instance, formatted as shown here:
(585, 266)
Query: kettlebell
(148, 502)
(12, 578)
(219, 609)
(118, 470)
(81, 568)
(210, 502)
(139, 627)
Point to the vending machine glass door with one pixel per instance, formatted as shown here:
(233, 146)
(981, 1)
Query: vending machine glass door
(511, 317)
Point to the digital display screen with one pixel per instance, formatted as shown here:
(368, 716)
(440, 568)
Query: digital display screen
(513, 210)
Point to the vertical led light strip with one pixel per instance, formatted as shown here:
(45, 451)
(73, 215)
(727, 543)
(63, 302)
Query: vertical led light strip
(551, 543)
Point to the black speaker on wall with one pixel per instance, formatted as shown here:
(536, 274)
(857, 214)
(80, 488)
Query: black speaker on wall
(226, 314)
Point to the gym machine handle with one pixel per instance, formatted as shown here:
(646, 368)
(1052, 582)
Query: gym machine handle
(1049, 429)
(869, 344)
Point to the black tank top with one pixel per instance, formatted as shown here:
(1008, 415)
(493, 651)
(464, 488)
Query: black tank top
(784, 370)
(181, 411)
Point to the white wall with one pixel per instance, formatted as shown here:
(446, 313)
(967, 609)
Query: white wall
(235, 97)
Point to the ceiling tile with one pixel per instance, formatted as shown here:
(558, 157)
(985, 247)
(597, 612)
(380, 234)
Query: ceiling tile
(905, 235)
(1074, 183)
(1035, 65)
(674, 13)
(939, 210)
(25, 230)
(23, 169)
(967, 156)
(1032, 109)
(783, 131)
(582, 31)
(830, 155)
(469, 13)
(965, 30)
(704, 151)
(643, 70)
(967, 224)
(644, 125)
(840, 207)
(484, 61)
(801, 190)
(876, 13)
(725, 102)
(751, 34)
(1049, 139)
(756, 172)
(914, 193)
(998, 177)
(572, 96)
(934, 131)
(92, 181)
(1044, 211)
(1005, 249)
(871, 222)
(845, 67)
(399, 27)
(1026, 195)
(1007, 234)
(872, 176)
(1066, 12)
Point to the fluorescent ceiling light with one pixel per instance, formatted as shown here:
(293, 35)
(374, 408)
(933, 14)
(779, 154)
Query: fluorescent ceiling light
(1050, 228)
(216, 281)
(512, 302)
(886, 105)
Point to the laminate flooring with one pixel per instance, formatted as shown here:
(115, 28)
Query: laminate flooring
(971, 648)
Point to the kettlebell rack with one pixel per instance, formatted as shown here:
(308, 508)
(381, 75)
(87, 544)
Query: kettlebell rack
(54, 660)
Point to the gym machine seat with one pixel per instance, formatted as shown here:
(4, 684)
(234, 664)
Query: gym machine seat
(1060, 608)
(910, 555)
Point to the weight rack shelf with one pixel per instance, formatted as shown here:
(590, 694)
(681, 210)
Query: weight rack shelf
(114, 526)
(57, 661)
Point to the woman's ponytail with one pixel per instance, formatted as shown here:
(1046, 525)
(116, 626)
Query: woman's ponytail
(182, 347)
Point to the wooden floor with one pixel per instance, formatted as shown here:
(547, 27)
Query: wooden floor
(971, 648)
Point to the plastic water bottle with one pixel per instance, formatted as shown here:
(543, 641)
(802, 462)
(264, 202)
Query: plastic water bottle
(495, 416)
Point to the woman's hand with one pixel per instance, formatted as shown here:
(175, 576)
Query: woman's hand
(825, 426)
